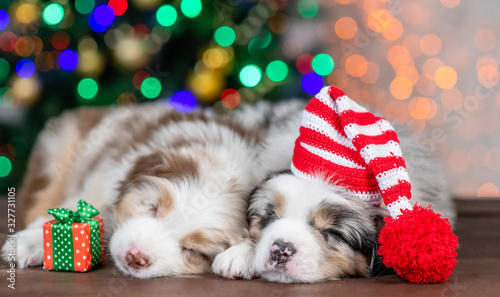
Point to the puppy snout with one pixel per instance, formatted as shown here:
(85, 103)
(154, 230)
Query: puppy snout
(137, 259)
(281, 251)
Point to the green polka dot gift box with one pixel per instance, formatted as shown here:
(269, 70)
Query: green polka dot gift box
(73, 241)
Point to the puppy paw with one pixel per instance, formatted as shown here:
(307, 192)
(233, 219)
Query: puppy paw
(24, 248)
(235, 262)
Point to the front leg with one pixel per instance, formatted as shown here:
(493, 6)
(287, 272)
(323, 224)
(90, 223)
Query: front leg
(236, 261)
(26, 246)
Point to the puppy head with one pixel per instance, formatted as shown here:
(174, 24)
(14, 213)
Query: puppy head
(165, 226)
(308, 231)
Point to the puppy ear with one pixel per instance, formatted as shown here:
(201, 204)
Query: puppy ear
(376, 266)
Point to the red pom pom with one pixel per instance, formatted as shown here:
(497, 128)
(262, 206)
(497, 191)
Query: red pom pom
(419, 245)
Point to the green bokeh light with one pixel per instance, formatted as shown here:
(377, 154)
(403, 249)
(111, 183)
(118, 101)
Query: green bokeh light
(250, 75)
(277, 71)
(5, 166)
(322, 64)
(84, 6)
(191, 8)
(4, 68)
(259, 43)
(307, 8)
(224, 36)
(53, 14)
(87, 88)
(166, 15)
(151, 87)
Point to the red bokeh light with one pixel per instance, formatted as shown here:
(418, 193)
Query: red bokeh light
(119, 6)
(304, 64)
(138, 78)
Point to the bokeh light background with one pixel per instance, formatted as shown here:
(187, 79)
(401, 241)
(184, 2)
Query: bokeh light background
(431, 64)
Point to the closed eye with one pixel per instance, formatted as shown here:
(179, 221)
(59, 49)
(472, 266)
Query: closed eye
(153, 209)
(269, 217)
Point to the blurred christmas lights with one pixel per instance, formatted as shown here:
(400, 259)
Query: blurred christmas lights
(68, 60)
(312, 83)
(250, 75)
(166, 15)
(84, 6)
(277, 71)
(53, 14)
(183, 101)
(5, 166)
(25, 68)
(151, 87)
(191, 8)
(87, 88)
(4, 19)
(224, 36)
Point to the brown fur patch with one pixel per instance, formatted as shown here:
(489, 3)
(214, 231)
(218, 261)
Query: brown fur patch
(342, 262)
(41, 191)
(165, 203)
(159, 164)
(279, 203)
(200, 248)
(323, 218)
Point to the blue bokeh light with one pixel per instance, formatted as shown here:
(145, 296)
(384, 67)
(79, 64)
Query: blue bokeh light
(25, 68)
(312, 83)
(104, 15)
(4, 19)
(68, 60)
(96, 27)
(183, 101)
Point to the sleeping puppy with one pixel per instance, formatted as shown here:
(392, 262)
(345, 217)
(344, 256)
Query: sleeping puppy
(307, 231)
(172, 188)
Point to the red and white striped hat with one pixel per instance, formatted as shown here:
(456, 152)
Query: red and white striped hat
(358, 150)
(341, 142)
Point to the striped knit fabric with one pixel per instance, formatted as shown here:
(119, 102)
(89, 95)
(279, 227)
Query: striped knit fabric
(344, 143)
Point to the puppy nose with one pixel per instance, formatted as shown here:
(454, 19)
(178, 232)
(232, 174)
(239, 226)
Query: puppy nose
(282, 251)
(137, 259)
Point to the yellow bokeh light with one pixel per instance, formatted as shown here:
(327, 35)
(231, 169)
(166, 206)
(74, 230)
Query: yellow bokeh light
(26, 13)
(206, 85)
(401, 88)
(356, 65)
(27, 90)
(445, 77)
(346, 28)
(379, 20)
(215, 58)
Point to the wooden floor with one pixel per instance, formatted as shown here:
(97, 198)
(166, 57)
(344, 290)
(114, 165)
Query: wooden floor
(477, 272)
